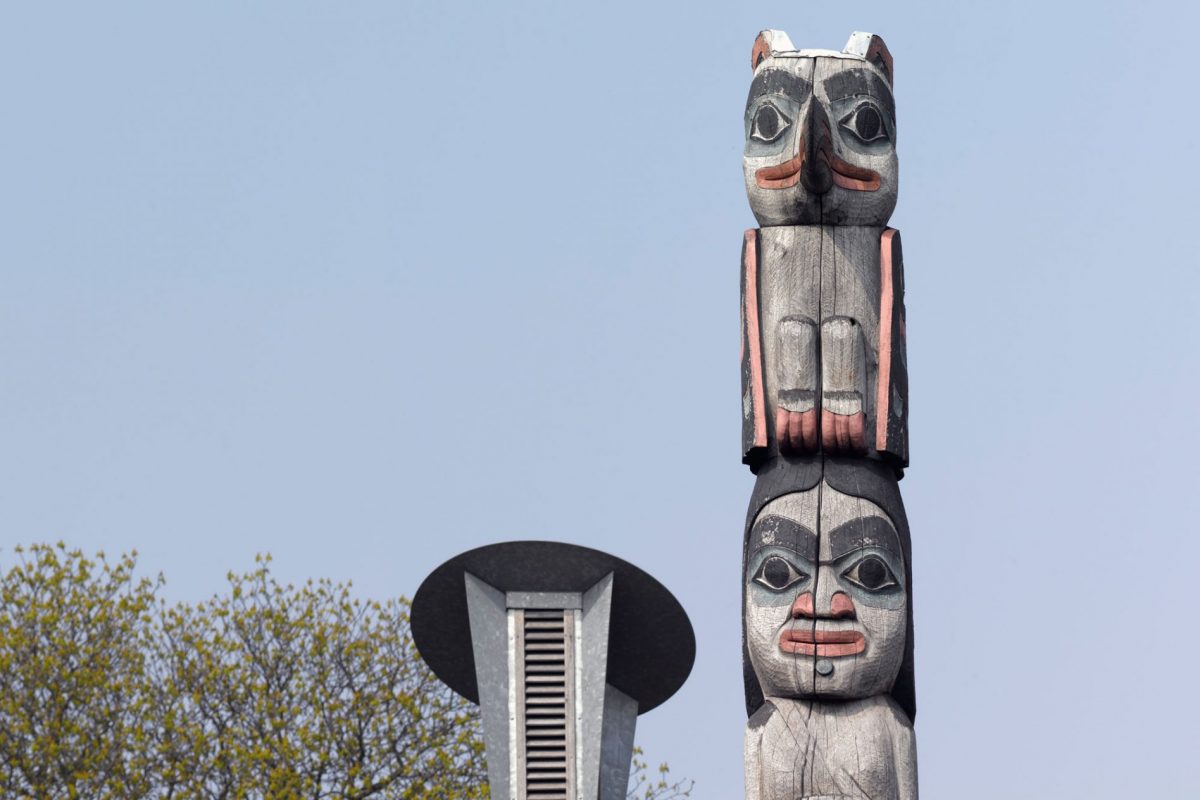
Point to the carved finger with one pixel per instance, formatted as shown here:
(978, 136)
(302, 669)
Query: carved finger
(857, 424)
(781, 430)
(794, 431)
(828, 435)
(808, 430)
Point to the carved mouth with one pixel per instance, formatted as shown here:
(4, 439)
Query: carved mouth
(845, 174)
(826, 644)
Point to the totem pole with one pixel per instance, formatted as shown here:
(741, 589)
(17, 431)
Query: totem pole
(827, 572)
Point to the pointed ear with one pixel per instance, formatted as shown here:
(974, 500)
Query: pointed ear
(767, 44)
(870, 47)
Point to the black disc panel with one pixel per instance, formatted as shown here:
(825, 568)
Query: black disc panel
(651, 645)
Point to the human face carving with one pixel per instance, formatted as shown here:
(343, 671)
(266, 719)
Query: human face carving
(826, 601)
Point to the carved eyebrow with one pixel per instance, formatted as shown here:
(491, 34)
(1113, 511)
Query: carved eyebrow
(773, 531)
(864, 532)
(853, 82)
(778, 81)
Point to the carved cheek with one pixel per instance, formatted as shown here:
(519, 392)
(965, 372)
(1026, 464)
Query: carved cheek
(884, 629)
(883, 163)
(766, 613)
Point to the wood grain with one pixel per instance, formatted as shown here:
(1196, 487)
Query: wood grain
(827, 611)
(801, 749)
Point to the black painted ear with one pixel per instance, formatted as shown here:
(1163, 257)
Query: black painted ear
(768, 43)
(870, 47)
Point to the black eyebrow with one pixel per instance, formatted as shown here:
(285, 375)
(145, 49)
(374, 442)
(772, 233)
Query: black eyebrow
(773, 531)
(851, 82)
(778, 81)
(864, 532)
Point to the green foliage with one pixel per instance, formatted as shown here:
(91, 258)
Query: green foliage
(73, 690)
(264, 691)
(282, 691)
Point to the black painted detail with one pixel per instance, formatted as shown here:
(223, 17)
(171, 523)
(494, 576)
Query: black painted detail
(864, 532)
(777, 531)
(777, 574)
(879, 62)
(897, 421)
(778, 81)
(872, 574)
(792, 398)
(855, 82)
(865, 122)
(651, 646)
(769, 123)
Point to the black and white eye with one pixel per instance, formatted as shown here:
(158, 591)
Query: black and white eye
(866, 122)
(769, 123)
(871, 573)
(777, 574)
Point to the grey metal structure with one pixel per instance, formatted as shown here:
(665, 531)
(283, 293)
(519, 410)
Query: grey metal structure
(560, 660)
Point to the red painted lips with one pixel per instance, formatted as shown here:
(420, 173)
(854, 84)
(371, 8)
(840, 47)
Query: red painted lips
(826, 644)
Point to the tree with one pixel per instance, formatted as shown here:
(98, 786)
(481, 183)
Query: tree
(265, 691)
(306, 692)
(73, 689)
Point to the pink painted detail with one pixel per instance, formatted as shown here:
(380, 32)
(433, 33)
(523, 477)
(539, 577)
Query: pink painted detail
(796, 430)
(844, 433)
(810, 640)
(754, 334)
(803, 608)
(886, 310)
(842, 607)
(823, 644)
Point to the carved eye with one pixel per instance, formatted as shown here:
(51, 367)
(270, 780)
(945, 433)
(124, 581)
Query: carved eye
(777, 573)
(769, 123)
(865, 122)
(871, 573)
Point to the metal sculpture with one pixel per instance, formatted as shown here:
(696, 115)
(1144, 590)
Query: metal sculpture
(562, 647)
(827, 572)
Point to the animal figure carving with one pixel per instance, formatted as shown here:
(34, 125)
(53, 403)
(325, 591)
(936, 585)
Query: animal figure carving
(827, 561)
(823, 356)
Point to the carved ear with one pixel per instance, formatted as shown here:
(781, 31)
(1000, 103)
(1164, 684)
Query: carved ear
(872, 48)
(767, 44)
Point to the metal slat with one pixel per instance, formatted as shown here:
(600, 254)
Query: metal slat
(546, 704)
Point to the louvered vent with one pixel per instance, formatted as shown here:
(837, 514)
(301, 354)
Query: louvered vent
(546, 704)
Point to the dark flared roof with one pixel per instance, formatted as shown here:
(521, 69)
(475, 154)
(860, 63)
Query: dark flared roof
(651, 645)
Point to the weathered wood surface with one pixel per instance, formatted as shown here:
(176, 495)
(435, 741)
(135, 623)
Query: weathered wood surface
(821, 174)
(819, 372)
(804, 748)
(827, 593)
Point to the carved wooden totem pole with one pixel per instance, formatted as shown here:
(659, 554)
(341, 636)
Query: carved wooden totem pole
(827, 573)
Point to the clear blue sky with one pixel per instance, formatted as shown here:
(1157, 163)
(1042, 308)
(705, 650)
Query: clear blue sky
(367, 284)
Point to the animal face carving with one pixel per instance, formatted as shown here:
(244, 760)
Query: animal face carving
(825, 615)
(821, 134)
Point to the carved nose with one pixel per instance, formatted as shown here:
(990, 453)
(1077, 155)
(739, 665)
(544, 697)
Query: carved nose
(840, 607)
(815, 175)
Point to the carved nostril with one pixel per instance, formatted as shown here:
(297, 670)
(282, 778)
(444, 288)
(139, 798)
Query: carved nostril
(802, 608)
(842, 607)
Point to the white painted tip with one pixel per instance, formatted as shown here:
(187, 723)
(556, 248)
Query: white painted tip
(778, 41)
(859, 43)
